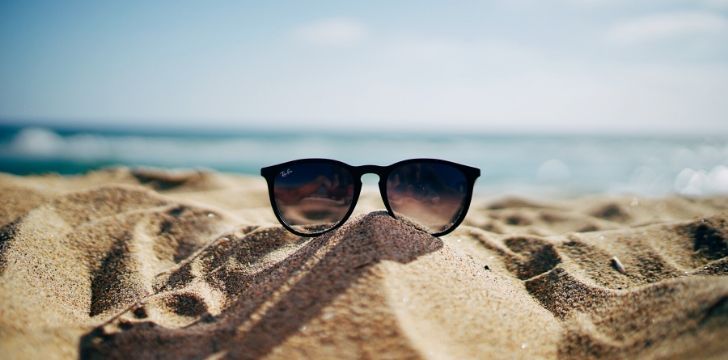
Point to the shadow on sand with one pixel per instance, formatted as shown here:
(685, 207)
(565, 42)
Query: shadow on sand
(269, 306)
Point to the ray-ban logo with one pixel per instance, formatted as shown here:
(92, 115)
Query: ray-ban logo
(286, 172)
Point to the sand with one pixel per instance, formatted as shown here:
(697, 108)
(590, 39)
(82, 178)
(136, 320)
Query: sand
(150, 264)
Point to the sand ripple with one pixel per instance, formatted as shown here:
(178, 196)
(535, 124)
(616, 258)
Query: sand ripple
(153, 264)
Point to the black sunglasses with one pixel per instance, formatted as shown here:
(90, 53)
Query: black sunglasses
(313, 196)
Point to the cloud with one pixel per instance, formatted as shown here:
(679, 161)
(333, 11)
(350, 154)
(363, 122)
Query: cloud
(332, 32)
(664, 26)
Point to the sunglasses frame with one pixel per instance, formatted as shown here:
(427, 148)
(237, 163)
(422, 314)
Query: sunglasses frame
(270, 173)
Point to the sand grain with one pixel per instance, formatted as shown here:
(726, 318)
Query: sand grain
(153, 264)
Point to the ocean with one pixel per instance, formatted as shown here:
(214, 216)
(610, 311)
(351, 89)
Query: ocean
(525, 164)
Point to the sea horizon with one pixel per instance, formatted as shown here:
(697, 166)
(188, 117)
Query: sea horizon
(554, 164)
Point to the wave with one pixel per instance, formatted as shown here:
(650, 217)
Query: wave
(533, 165)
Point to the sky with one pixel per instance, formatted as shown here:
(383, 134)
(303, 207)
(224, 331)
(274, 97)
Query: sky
(623, 66)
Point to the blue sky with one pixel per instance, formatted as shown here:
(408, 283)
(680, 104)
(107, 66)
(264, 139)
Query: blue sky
(524, 65)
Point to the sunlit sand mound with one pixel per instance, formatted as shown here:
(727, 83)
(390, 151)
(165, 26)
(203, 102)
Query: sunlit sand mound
(153, 264)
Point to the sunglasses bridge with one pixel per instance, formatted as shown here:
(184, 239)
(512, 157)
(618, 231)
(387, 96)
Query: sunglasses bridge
(369, 169)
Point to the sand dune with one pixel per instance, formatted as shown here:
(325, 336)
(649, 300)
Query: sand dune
(144, 263)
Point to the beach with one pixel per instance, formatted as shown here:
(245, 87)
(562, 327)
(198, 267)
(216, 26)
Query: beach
(146, 263)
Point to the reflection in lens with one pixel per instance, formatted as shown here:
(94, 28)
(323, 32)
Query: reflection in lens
(313, 197)
(428, 193)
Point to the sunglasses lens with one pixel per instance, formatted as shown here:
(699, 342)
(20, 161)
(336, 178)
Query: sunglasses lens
(313, 197)
(431, 194)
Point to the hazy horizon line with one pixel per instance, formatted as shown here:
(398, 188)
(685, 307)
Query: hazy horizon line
(210, 127)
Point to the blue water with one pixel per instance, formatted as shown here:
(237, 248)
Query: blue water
(524, 164)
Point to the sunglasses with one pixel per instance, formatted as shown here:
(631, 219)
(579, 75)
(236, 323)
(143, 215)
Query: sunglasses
(312, 196)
